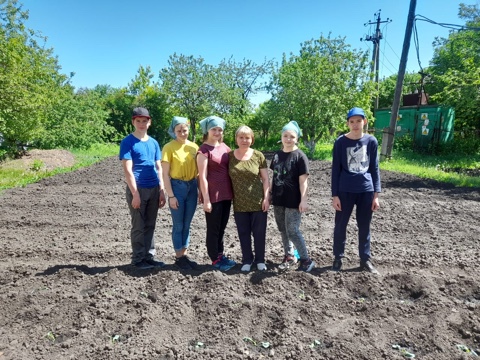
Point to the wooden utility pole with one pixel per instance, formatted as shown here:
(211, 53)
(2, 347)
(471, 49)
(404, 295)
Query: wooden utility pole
(389, 133)
(375, 65)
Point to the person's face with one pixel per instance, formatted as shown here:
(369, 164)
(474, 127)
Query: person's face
(181, 132)
(215, 133)
(141, 123)
(289, 138)
(356, 123)
(244, 140)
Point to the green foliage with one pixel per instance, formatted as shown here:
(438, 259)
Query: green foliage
(317, 87)
(29, 78)
(187, 84)
(75, 121)
(37, 165)
(411, 84)
(118, 103)
(455, 70)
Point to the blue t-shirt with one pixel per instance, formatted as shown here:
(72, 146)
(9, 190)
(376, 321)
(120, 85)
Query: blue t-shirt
(355, 165)
(143, 154)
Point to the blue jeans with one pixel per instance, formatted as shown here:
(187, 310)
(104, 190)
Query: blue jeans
(186, 193)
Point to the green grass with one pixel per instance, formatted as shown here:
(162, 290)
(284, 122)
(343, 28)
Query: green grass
(11, 177)
(451, 168)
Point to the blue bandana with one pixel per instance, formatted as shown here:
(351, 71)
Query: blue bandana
(211, 122)
(293, 126)
(175, 121)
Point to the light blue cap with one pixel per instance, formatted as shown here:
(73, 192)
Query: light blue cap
(175, 121)
(211, 122)
(292, 126)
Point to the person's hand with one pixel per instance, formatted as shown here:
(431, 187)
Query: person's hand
(337, 205)
(162, 199)
(265, 204)
(303, 207)
(375, 204)
(207, 207)
(173, 202)
(136, 201)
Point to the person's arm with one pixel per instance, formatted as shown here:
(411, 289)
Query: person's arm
(202, 164)
(303, 180)
(131, 183)
(162, 189)
(266, 189)
(336, 169)
(172, 200)
(375, 173)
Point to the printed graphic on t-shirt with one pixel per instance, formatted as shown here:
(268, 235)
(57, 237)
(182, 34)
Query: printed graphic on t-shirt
(282, 175)
(357, 158)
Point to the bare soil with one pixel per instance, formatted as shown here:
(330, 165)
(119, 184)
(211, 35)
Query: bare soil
(67, 291)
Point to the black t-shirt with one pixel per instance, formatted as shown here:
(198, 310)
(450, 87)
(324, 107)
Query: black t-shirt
(287, 168)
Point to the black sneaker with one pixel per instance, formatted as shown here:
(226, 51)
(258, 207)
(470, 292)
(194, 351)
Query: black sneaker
(182, 263)
(306, 265)
(337, 265)
(368, 266)
(155, 263)
(143, 265)
(190, 262)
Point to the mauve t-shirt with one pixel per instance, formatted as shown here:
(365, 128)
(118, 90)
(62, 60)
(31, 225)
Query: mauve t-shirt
(219, 184)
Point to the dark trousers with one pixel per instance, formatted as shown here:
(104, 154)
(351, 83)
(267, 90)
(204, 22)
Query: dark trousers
(363, 203)
(252, 224)
(143, 223)
(216, 223)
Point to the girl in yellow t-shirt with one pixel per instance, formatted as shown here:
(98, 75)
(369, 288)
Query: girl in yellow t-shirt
(180, 178)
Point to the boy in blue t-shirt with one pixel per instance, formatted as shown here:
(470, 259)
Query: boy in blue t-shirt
(355, 182)
(140, 155)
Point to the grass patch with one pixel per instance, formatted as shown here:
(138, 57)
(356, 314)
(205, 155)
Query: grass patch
(19, 176)
(456, 169)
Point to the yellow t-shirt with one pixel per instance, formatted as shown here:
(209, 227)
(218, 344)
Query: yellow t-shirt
(183, 165)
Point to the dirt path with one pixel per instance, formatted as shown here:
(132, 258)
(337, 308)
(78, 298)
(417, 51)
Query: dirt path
(68, 293)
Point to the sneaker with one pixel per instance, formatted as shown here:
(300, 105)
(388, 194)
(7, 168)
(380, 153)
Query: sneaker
(143, 265)
(223, 264)
(246, 267)
(228, 261)
(306, 265)
(368, 266)
(193, 264)
(155, 263)
(337, 265)
(288, 261)
(261, 267)
(182, 263)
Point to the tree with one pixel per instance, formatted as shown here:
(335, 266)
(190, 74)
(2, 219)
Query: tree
(455, 70)
(29, 78)
(76, 120)
(317, 87)
(187, 85)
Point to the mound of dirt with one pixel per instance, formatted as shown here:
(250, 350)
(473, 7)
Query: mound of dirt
(69, 293)
(46, 160)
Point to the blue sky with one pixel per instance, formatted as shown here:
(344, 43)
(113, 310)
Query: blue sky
(105, 41)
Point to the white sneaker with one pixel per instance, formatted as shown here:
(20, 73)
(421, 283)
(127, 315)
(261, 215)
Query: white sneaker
(246, 267)
(261, 267)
